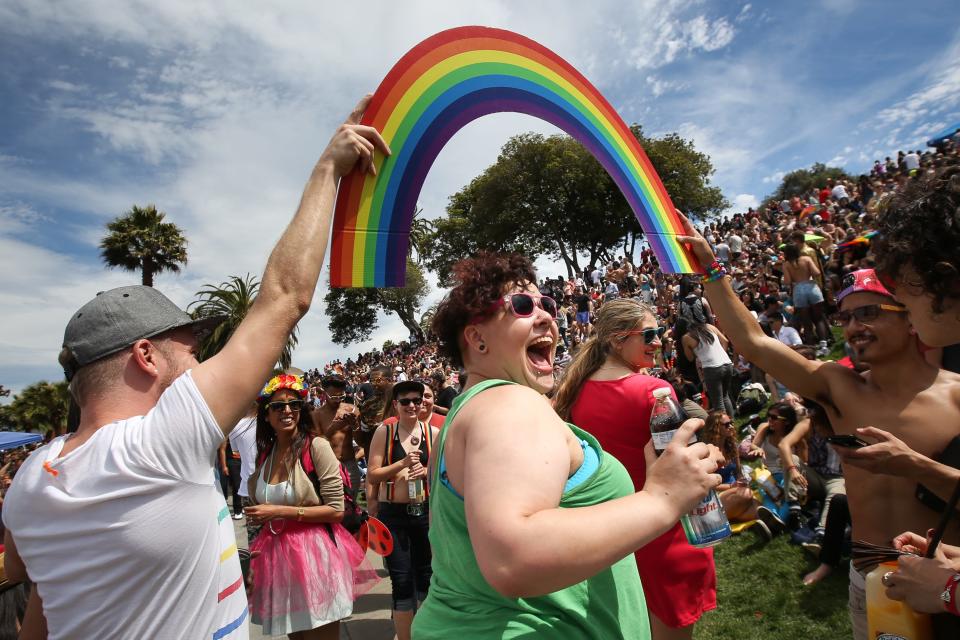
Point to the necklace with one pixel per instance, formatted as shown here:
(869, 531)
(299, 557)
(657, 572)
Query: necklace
(414, 438)
(266, 490)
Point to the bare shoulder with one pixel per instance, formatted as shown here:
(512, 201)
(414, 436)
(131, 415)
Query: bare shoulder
(948, 384)
(499, 411)
(844, 384)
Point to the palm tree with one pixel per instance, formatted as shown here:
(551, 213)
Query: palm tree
(141, 241)
(232, 299)
(421, 230)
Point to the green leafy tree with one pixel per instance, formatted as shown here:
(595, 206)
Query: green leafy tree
(353, 312)
(549, 196)
(141, 241)
(42, 406)
(233, 299)
(801, 181)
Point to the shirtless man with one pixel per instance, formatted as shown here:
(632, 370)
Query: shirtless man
(802, 272)
(921, 270)
(334, 408)
(337, 416)
(901, 394)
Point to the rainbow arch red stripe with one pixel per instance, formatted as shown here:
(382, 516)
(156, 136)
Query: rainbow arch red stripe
(442, 84)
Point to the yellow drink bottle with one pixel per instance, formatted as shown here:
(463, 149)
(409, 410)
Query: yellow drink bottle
(889, 619)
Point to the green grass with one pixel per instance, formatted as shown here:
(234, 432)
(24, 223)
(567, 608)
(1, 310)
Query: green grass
(760, 594)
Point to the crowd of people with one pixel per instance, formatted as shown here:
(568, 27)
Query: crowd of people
(555, 380)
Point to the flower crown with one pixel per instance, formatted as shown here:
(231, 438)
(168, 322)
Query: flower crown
(283, 381)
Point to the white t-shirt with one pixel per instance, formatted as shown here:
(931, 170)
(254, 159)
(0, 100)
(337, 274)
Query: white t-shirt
(127, 536)
(243, 440)
(735, 242)
(789, 336)
(839, 192)
(723, 252)
(911, 161)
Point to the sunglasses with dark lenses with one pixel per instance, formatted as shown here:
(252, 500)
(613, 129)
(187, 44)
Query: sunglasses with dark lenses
(295, 405)
(523, 304)
(649, 335)
(406, 402)
(866, 314)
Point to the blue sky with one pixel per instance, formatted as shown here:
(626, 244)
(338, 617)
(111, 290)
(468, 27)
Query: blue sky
(216, 112)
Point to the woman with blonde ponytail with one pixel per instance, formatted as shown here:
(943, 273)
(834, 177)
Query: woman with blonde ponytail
(606, 392)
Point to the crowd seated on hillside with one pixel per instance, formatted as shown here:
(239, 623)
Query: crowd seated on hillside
(787, 260)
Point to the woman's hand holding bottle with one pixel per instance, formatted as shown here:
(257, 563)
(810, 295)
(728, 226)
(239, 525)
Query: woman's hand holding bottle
(683, 474)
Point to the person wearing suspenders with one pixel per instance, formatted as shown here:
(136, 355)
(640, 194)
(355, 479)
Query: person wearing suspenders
(398, 462)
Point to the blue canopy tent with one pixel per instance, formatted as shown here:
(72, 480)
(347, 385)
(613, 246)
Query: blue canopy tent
(943, 135)
(14, 439)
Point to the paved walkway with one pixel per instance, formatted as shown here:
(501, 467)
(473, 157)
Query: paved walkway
(371, 613)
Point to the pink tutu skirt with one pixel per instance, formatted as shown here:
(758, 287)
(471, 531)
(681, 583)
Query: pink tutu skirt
(302, 579)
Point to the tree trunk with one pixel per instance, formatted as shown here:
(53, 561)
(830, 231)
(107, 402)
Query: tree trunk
(408, 318)
(147, 272)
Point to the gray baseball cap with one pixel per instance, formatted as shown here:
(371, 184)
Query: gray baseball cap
(115, 319)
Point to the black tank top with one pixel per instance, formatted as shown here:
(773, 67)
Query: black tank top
(397, 452)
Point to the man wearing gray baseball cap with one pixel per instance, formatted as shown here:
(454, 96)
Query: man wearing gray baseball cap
(119, 525)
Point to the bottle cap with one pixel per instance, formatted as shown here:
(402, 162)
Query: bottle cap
(662, 392)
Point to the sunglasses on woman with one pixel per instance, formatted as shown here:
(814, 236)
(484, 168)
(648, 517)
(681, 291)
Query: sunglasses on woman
(295, 405)
(649, 335)
(866, 314)
(406, 402)
(523, 304)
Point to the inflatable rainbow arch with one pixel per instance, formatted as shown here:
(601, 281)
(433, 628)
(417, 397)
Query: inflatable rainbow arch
(442, 84)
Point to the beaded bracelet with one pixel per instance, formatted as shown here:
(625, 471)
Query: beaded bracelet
(715, 272)
(949, 595)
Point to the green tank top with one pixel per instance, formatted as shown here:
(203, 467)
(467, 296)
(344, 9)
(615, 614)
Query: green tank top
(461, 604)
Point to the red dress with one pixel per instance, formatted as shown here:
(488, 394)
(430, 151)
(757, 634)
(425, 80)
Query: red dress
(679, 580)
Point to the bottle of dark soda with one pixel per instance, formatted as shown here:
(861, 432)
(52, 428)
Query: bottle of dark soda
(707, 524)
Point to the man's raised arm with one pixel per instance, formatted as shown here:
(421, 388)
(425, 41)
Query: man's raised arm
(231, 378)
(805, 377)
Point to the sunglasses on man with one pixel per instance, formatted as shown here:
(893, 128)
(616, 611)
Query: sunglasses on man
(406, 402)
(295, 405)
(866, 314)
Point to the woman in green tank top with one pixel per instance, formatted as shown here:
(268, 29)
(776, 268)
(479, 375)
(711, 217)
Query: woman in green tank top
(533, 526)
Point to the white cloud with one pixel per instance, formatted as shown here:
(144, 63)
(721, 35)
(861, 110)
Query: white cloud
(660, 86)
(774, 178)
(674, 37)
(743, 201)
(63, 85)
(938, 96)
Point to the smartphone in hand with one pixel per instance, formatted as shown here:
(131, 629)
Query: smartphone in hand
(852, 442)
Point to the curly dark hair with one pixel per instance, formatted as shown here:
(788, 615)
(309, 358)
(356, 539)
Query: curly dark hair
(920, 226)
(480, 281)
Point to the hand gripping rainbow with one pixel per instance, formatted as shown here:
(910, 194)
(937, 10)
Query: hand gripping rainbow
(442, 84)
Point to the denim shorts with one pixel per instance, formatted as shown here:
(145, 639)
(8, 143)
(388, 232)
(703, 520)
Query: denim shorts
(806, 294)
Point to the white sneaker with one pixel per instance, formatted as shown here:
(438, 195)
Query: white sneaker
(237, 516)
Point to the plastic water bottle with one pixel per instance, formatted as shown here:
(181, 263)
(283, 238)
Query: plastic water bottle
(707, 524)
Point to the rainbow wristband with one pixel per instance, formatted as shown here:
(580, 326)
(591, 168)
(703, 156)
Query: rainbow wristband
(715, 272)
(949, 595)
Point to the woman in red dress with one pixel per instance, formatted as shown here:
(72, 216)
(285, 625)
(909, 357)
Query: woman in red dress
(605, 392)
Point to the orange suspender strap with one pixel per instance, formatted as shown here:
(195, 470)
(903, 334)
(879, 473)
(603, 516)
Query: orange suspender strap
(389, 460)
(427, 431)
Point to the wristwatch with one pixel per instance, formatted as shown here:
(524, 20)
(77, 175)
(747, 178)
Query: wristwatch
(299, 514)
